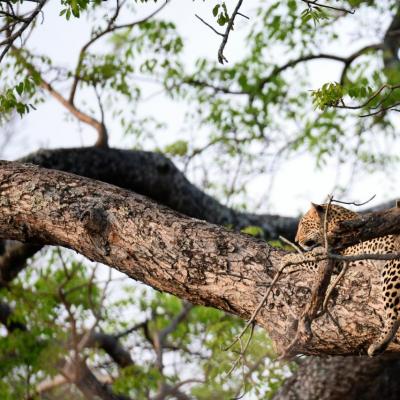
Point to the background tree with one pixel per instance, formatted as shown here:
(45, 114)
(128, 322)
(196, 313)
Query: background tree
(69, 328)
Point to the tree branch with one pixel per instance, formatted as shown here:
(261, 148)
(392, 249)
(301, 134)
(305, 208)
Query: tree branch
(343, 378)
(229, 28)
(9, 41)
(345, 60)
(102, 135)
(196, 261)
(315, 3)
(365, 227)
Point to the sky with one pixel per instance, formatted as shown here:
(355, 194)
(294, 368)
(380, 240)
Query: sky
(296, 183)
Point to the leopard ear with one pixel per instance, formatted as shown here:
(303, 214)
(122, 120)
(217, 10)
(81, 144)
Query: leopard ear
(318, 208)
(397, 203)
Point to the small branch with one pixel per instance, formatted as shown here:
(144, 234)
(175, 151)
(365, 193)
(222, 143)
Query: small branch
(353, 202)
(355, 55)
(242, 15)
(8, 43)
(210, 26)
(288, 242)
(315, 3)
(346, 60)
(334, 284)
(391, 88)
(382, 110)
(318, 294)
(229, 28)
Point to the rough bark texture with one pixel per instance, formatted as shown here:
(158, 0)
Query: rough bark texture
(338, 378)
(365, 227)
(200, 262)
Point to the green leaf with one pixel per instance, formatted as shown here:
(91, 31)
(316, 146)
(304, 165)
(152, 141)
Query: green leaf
(215, 10)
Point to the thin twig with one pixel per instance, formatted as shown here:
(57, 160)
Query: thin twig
(242, 15)
(315, 3)
(287, 241)
(8, 43)
(382, 110)
(229, 28)
(335, 282)
(353, 202)
(243, 350)
(109, 29)
(330, 198)
(370, 99)
(259, 306)
(210, 26)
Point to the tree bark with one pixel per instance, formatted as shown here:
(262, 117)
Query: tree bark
(341, 378)
(365, 227)
(197, 261)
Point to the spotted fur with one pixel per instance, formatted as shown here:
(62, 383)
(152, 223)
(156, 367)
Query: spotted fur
(310, 235)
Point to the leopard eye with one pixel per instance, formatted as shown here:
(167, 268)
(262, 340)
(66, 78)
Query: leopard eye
(310, 243)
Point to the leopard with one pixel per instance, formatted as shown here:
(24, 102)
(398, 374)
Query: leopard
(310, 237)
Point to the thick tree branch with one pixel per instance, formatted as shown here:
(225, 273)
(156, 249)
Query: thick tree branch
(365, 227)
(192, 259)
(343, 378)
(155, 176)
(150, 174)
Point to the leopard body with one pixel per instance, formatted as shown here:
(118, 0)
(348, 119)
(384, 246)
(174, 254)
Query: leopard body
(310, 235)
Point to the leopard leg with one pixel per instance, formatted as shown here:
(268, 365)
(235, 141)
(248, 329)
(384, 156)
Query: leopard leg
(391, 298)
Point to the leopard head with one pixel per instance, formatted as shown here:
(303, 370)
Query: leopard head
(310, 232)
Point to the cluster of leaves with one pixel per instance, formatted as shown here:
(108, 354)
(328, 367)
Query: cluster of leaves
(315, 14)
(332, 94)
(13, 99)
(220, 12)
(76, 7)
